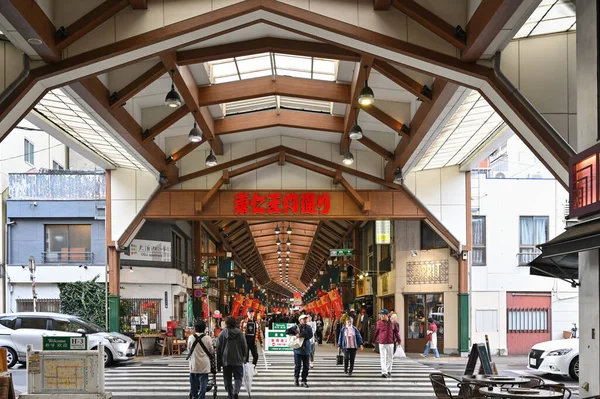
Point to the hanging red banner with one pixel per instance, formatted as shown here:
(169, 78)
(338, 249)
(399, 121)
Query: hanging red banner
(308, 203)
(336, 301)
(247, 305)
(237, 305)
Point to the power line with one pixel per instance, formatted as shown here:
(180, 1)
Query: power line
(19, 156)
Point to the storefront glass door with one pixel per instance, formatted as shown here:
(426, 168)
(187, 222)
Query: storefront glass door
(419, 307)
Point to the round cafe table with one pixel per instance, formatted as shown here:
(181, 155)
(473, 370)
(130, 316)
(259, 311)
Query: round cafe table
(493, 380)
(519, 393)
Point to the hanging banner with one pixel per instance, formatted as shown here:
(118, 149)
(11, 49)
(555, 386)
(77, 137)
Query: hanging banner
(247, 305)
(256, 305)
(237, 305)
(297, 299)
(205, 311)
(383, 232)
(336, 301)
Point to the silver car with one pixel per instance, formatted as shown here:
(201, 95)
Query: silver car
(17, 330)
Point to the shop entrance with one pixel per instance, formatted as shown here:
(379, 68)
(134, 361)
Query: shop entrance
(389, 303)
(418, 308)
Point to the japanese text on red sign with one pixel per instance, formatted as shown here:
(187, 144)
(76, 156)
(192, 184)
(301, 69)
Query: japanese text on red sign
(278, 203)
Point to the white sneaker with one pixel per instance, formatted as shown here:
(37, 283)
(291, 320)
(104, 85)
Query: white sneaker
(311, 365)
(422, 355)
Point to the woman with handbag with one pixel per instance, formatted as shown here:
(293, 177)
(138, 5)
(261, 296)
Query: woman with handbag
(350, 340)
(200, 358)
(299, 337)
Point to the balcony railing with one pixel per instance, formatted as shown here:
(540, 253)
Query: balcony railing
(49, 258)
(526, 257)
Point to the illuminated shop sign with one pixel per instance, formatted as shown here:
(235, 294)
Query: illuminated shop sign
(308, 203)
(584, 185)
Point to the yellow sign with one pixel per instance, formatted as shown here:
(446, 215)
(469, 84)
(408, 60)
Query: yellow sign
(383, 231)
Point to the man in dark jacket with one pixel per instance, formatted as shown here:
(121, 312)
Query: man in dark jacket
(231, 354)
(388, 334)
(302, 354)
(253, 333)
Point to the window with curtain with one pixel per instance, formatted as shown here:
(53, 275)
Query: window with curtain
(533, 231)
(478, 258)
(68, 243)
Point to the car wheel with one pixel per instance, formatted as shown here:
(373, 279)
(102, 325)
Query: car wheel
(107, 357)
(11, 357)
(574, 368)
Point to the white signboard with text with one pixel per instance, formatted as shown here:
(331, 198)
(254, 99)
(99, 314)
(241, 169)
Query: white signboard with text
(383, 232)
(150, 251)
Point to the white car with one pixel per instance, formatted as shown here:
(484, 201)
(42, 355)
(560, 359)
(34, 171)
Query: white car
(17, 330)
(556, 357)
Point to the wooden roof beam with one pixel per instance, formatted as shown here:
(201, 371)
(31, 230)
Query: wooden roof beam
(189, 91)
(165, 123)
(485, 25)
(211, 193)
(362, 204)
(361, 73)
(399, 127)
(403, 80)
(381, 5)
(95, 94)
(28, 18)
(422, 122)
(182, 152)
(266, 86)
(453, 35)
(139, 4)
(288, 118)
(140, 83)
(265, 45)
(89, 22)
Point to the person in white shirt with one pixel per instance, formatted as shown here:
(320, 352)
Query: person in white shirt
(200, 354)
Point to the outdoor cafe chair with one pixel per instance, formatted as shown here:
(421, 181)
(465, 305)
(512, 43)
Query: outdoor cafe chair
(559, 388)
(534, 381)
(438, 381)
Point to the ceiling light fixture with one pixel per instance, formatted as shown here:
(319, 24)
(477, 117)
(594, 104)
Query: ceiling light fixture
(277, 231)
(356, 132)
(163, 179)
(278, 242)
(288, 242)
(131, 269)
(289, 229)
(348, 158)
(278, 251)
(366, 96)
(172, 100)
(279, 258)
(288, 251)
(398, 178)
(211, 160)
(195, 135)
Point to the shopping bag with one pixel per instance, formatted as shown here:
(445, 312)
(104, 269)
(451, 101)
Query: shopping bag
(294, 342)
(339, 359)
(399, 352)
(248, 375)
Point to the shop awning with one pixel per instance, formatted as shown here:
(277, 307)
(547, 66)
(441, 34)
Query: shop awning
(559, 257)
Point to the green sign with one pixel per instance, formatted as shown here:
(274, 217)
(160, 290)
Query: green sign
(282, 326)
(341, 252)
(64, 343)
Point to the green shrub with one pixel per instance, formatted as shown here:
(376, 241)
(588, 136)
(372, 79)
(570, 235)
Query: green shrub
(85, 299)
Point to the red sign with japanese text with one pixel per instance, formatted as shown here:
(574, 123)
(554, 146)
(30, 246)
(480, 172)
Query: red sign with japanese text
(310, 203)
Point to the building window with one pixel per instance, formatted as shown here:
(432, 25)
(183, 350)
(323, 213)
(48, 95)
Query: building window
(533, 231)
(178, 251)
(28, 152)
(68, 243)
(57, 166)
(478, 241)
(430, 239)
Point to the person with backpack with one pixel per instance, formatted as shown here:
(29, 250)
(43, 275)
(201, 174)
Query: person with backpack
(302, 354)
(253, 334)
(231, 356)
(200, 358)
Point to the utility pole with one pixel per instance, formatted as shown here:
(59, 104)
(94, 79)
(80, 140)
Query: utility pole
(32, 278)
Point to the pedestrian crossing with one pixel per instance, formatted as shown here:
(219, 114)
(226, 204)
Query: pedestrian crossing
(169, 377)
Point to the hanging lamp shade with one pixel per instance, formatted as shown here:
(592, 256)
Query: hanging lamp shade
(348, 158)
(211, 160)
(172, 100)
(289, 229)
(278, 242)
(366, 96)
(288, 242)
(356, 132)
(195, 135)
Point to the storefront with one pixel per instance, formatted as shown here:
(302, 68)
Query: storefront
(418, 309)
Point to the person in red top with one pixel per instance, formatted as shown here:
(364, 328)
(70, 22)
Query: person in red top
(388, 334)
(431, 339)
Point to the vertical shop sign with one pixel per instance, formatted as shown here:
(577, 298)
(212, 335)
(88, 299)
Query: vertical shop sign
(383, 233)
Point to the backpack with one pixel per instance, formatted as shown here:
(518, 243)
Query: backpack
(198, 340)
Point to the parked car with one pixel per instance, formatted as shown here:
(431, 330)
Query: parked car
(21, 329)
(556, 357)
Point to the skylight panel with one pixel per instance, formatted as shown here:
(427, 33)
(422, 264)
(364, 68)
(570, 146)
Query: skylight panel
(305, 104)
(293, 73)
(254, 63)
(551, 16)
(59, 109)
(256, 74)
(254, 104)
(293, 62)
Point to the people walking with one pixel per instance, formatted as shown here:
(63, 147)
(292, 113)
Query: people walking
(200, 353)
(388, 335)
(431, 339)
(320, 326)
(350, 340)
(302, 354)
(253, 335)
(232, 351)
(313, 343)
